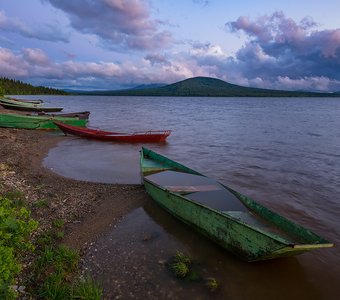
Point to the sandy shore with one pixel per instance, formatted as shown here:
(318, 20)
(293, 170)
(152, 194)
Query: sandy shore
(88, 209)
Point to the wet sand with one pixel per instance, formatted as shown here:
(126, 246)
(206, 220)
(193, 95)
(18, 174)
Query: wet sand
(87, 208)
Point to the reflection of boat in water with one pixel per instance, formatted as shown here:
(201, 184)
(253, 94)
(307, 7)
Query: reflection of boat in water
(229, 218)
(227, 268)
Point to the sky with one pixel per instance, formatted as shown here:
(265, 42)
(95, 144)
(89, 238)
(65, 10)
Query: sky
(115, 44)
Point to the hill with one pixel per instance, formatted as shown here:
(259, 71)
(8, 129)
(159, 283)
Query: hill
(208, 87)
(17, 87)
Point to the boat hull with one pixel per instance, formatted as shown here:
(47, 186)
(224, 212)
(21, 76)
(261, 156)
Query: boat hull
(247, 242)
(19, 102)
(39, 101)
(26, 107)
(37, 122)
(79, 115)
(141, 137)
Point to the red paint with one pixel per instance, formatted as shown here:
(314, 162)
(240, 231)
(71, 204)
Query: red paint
(150, 136)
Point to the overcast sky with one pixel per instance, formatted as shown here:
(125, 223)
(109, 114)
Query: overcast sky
(111, 44)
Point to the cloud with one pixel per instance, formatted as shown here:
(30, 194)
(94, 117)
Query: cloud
(279, 48)
(35, 56)
(120, 24)
(12, 65)
(157, 59)
(45, 32)
(33, 65)
(202, 2)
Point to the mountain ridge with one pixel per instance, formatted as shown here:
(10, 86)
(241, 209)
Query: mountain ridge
(208, 87)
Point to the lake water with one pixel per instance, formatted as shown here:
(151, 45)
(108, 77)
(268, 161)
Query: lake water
(282, 152)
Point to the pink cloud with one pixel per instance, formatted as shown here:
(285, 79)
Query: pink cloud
(120, 24)
(35, 56)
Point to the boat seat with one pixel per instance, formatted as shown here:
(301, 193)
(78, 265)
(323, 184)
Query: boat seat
(186, 189)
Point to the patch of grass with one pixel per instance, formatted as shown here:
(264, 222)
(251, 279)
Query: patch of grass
(60, 234)
(17, 197)
(59, 264)
(181, 257)
(58, 223)
(180, 269)
(180, 265)
(16, 227)
(55, 288)
(87, 289)
(40, 203)
(58, 259)
(44, 240)
(212, 284)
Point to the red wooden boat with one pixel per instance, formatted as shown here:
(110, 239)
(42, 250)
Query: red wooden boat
(150, 136)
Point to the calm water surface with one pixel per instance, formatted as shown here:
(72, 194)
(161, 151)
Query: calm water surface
(284, 153)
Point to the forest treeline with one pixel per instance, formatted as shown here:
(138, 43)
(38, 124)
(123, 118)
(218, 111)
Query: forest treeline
(16, 87)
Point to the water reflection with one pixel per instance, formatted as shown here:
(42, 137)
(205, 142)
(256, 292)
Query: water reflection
(96, 161)
(135, 252)
(240, 280)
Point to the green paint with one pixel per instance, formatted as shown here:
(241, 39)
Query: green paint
(37, 122)
(258, 234)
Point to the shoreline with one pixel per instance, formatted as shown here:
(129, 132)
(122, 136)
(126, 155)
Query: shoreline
(87, 209)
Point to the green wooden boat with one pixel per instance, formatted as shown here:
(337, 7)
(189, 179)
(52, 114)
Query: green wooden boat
(37, 101)
(38, 122)
(4, 100)
(30, 107)
(234, 221)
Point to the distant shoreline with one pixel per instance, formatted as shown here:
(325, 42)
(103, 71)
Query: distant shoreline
(192, 87)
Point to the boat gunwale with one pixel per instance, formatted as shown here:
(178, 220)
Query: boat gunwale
(11, 120)
(225, 215)
(32, 108)
(41, 117)
(279, 239)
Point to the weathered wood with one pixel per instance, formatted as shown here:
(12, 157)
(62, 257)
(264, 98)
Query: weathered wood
(252, 231)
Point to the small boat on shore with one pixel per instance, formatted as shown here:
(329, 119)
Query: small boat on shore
(30, 107)
(80, 115)
(135, 137)
(46, 121)
(20, 101)
(234, 221)
(4, 101)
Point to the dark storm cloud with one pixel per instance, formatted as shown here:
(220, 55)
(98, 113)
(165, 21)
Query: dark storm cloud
(121, 23)
(278, 46)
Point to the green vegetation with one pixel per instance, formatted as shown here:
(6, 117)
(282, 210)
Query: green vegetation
(212, 284)
(40, 203)
(53, 270)
(16, 226)
(58, 223)
(17, 87)
(86, 289)
(181, 257)
(182, 267)
(52, 274)
(209, 87)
